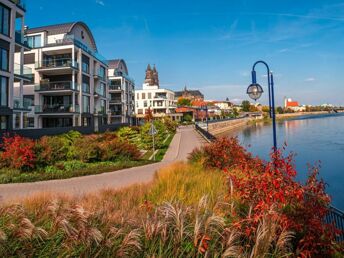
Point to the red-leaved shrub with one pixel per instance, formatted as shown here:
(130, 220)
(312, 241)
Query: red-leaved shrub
(18, 152)
(262, 187)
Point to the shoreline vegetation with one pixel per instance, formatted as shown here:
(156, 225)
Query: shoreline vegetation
(240, 210)
(72, 154)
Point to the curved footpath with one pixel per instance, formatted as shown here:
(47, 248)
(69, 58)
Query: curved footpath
(184, 141)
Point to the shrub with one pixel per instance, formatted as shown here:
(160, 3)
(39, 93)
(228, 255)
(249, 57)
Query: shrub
(170, 125)
(87, 148)
(51, 149)
(69, 140)
(270, 188)
(18, 152)
(116, 149)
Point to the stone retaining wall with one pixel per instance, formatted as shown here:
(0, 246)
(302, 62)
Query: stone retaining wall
(223, 126)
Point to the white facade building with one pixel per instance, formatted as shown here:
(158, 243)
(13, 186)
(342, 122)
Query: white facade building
(121, 91)
(160, 101)
(12, 70)
(70, 86)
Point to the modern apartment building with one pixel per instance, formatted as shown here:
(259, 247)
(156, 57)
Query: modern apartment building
(160, 101)
(11, 69)
(69, 86)
(121, 91)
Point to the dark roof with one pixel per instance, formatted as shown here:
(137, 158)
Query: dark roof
(191, 92)
(63, 28)
(53, 29)
(114, 64)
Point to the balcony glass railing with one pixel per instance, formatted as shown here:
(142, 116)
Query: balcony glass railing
(115, 87)
(53, 86)
(57, 63)
(99, 73)
(23, 71)
(57, 108)
(116, 100)
(124, 75)
(100, 110)
(20, 3)
(20, 39)
(22, 104)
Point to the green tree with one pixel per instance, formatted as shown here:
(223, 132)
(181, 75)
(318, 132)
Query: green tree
(183, 102)
(280, 110)
(246, 106)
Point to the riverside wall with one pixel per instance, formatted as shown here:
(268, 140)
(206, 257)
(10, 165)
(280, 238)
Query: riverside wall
(219, 127)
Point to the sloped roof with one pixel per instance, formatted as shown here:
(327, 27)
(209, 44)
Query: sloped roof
(191, 92)
(115, 63)
(63, 28)
(292, 104)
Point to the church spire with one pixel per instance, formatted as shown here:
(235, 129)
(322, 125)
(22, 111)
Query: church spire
(149, 79)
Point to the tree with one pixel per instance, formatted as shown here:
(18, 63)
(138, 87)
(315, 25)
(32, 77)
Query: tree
(183, 102)
(235, 112)
(280, 110)
(149, 115)
(246, 106)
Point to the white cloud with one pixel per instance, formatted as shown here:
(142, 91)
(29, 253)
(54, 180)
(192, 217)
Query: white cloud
(310, 79)
(100, 2)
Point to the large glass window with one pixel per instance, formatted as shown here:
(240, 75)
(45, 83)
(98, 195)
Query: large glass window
(86, 104)
(3, 91)
(3, 59)
(3, 122)
(4, 20)
(85, 64)
(102, 72)
(34, 41)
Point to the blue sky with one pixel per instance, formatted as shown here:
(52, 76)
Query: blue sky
(211, 45)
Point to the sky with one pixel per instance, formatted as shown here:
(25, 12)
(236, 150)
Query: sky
(212, 45)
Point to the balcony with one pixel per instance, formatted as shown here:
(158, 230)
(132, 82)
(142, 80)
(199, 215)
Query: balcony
(63, 65)
(57, 108)
(23, 72)
(100, 111)
(20, 40)
(19, 104)
(116, 101)
(98, 74)
(57, 86)
(20, 3)
(115, 87)
(124, 75)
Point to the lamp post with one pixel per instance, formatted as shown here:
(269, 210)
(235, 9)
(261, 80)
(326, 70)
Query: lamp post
(255, 91)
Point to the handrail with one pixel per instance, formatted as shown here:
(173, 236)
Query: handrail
(205, 133)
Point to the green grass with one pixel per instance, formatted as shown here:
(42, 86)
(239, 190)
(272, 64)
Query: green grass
(69, 170)
(161, 152)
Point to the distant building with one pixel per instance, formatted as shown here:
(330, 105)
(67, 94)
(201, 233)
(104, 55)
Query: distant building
(189, 94)
(160, 101)
(293, 105)
(121, 91)
(225, 106)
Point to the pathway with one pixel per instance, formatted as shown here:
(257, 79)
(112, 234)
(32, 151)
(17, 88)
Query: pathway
(184, 141)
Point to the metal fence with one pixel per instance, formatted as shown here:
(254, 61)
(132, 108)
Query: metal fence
(205, 133)
(336, 217)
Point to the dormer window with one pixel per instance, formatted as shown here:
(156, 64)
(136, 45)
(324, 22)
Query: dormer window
(82, 34)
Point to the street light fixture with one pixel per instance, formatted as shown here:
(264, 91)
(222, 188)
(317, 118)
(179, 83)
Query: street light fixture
(255, 91)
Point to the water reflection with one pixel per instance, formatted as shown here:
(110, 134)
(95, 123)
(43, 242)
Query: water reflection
(312, 139)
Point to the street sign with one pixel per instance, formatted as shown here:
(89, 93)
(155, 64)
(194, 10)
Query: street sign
(152, 130)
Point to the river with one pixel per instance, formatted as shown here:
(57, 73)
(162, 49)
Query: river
(313, 139)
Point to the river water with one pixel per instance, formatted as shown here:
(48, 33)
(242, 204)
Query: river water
(313, 139)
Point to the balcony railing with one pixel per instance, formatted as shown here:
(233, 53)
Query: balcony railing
(124, 75)
(20, 3)
(55, 86)
(57, 109)
(20, 39)
(23, 71)
(116, 100)
(115, 87)
(101, 111)
(57, 63)
(99, 74)
(21, 104)
(116, 113)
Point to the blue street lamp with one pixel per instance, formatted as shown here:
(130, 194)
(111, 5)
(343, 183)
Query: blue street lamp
(255, 91)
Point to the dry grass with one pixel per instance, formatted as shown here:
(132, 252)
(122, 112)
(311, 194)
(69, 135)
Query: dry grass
(182, 213)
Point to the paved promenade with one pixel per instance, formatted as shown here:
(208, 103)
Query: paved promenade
(185, 140)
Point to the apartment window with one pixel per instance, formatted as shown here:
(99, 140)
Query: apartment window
(3, 91)
(16, 120)
(3, 59)
(149, 95)
(140, 111)
(86, 104)
(85, 84)
(138, 96)
(4, 20)
(85, 64)
(4, 55)
(143, 96)
(34, 41)
(3, 122)
(145, 104)
(102, 72)
(102, 88)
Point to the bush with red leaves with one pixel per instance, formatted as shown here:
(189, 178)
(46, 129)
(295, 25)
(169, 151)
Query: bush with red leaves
(265, 186)
(18, 152)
